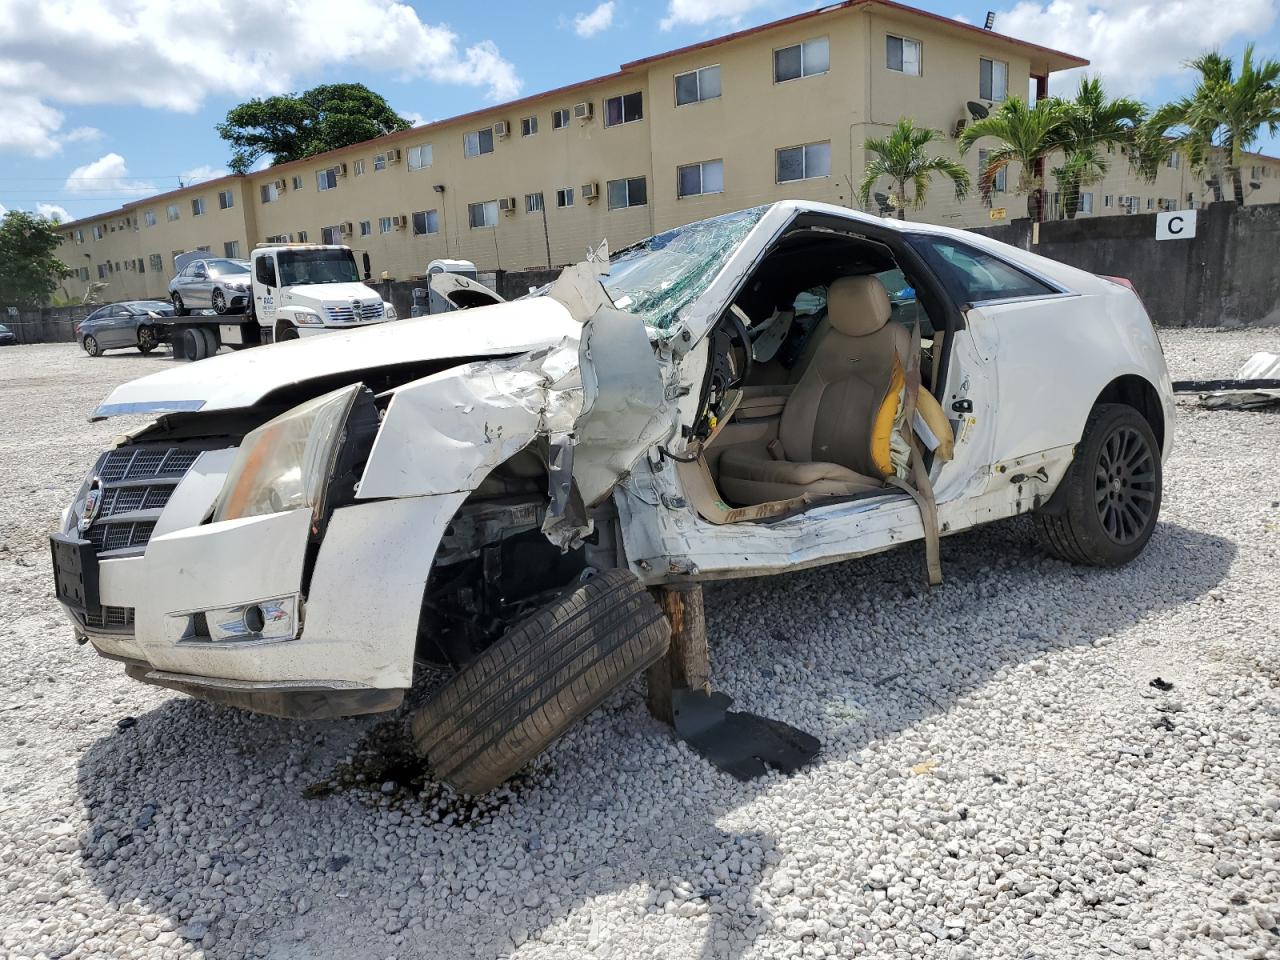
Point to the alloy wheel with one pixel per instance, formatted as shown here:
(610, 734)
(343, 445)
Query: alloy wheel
(1125, 485)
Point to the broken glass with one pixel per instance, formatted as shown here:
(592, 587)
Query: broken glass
(657, 278)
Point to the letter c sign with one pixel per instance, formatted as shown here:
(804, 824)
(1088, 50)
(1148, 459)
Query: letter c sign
(1176, 225)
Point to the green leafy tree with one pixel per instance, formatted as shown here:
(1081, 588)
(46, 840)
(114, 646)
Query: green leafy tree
(1027, 136)
(291, 127)
(1094, 128)
(29, 269)
(901, 157)
(1223, 115)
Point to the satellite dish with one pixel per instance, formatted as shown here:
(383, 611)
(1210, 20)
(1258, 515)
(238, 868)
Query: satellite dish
(977, 110)
(1254, 185)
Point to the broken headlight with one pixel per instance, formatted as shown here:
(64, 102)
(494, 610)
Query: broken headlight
(286, 463)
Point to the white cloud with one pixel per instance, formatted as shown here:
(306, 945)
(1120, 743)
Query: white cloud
(595, 21)
(3, 209)
(107, 175)
(1134, 44)
(52, 211)
(202, 173)
(413, 116)
(125, 52)
(83, 135)
(698, 13)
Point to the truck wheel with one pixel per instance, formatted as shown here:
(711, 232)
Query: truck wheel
(1105, 509)
(194, 344)
(178, 308)
(219, 302)
(211, 343)
(91, 346)
(146, 340)
(546, 673)
(290, 332)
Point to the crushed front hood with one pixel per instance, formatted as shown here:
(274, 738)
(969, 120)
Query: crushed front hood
(241, 379)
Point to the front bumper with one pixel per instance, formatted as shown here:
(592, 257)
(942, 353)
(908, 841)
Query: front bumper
(357, 601)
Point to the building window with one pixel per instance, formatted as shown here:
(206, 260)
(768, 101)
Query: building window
(420, 156)
(302, 236)
(632, 192)
(804, 162)
(269, 193)
(627, 108)
(149, 218)
(297, 183)
(359, 168)
(698, 85)
(802, 60)
(171, 212)
(379, 161)
(231, 249)
(564, 197)
(1255, 173)
(275, 238)
(483, 214)
(97, 233)
(326, 179)
(331, 234)
(226, 199)
(902, 55)
(696, 179)
(1173, 161)
(157, 263)
(559, 118)
(532, 202)
(1000, 183)
(366, 228)
(478, 142)
(80, 233)
(528, 126)
(1108, 200)
(197, 206)
(1086, 203)
(426, 221)
(993, 79)
(102, 271)
(384, 225)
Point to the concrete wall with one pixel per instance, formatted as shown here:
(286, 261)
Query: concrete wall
(1228, 275)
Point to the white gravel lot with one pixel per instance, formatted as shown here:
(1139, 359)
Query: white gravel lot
(998, 777)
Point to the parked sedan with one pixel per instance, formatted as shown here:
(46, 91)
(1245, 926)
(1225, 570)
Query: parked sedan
(128, 324)
(493, 491)
(215, 282)
(7, 336)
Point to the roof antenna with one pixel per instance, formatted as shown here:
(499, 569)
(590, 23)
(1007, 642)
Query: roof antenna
(991, 20)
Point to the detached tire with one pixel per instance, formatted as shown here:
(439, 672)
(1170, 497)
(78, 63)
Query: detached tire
(549, 671)
(1105, 510)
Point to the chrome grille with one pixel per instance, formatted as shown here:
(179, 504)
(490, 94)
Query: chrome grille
(137, 482)
(340, 314)
(368, 311)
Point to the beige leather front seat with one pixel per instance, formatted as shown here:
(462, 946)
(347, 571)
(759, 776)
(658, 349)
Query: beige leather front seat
(833, 438)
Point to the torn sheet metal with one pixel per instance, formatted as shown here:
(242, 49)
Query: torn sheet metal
(578, 287)
(625, 409)
(446, 432)
(742, 744)
(1256, 386)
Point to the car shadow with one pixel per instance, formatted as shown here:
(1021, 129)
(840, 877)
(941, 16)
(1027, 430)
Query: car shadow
(211, 817)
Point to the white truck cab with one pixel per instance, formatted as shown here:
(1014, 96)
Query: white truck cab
(303, 289)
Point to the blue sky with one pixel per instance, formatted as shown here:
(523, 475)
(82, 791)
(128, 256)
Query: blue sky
(107, 100)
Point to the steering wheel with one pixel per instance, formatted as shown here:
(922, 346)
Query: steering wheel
(739, 341)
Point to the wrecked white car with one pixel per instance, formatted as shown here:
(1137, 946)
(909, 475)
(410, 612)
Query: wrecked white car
(492, 490)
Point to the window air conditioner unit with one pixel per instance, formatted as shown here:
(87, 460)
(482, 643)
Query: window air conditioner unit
(590, 191)
(279, 185)
(393, 156)
(501, 129)
(345, 229)
(582, 111)
(398, 221)
(959, 127)
(340, 170)
(507, 204)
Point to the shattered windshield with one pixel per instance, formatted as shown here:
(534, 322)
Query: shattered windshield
(659, 277)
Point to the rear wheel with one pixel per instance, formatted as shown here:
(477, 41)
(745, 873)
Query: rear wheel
(1105, 510)
(546, 673)
(146, 339)
(178, 307)
(194, 344)
(91, 346)
(211, 344)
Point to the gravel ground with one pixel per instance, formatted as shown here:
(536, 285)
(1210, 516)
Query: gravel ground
(999, 778)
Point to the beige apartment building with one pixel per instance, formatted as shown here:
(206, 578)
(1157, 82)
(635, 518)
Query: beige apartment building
(778, 111)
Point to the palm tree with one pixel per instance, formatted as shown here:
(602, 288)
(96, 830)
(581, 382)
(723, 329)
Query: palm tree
(1028, 135)
(902, 158)
(1225, 113)
(1095, 126)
